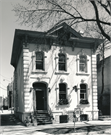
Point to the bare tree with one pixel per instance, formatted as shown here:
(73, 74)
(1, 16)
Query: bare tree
(78, 14)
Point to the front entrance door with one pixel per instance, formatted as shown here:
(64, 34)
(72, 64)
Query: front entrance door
(40, 100)
(40, 90)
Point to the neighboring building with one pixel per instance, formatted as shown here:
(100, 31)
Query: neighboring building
(1, 102)
(105, 108)
(10, 95)
(55, 72)
(5, 103)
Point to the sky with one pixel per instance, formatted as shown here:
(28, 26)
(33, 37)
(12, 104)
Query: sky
(8, 24)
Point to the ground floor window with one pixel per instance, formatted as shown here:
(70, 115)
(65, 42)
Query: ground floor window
(63, 94)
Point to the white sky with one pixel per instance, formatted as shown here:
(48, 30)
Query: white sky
(8, 25)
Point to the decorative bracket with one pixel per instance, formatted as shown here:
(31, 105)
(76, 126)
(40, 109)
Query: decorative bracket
(73, 45)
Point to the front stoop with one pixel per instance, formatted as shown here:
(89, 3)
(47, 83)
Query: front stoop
(105, 117)
(43, 118)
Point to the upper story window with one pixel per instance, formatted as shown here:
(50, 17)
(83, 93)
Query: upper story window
(83, 67)
(40, 60)
(62, 62)
(83, 63)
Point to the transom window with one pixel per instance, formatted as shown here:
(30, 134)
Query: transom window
(83, 63)
(83, 93)
(39, 60)
(62, 62)
(62, 91)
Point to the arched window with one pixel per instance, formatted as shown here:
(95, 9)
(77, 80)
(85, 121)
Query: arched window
(83, 93)
(62, 62)
(62, 91)
(63, 94)
(39, 60)
(83, 63)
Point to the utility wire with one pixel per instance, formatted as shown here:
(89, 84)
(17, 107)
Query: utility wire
(2, 88)
(3, 85)
(5, 77)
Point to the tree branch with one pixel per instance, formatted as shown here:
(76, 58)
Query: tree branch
(98, 20)
(104, 6)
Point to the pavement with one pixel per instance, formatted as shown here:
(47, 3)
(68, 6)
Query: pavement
(12, 126)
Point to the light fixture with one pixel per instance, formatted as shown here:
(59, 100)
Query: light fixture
(31, 89)
(75, 88)
(49, 89)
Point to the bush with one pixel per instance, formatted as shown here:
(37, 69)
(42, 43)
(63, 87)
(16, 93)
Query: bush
(63, 101)
(82, 101)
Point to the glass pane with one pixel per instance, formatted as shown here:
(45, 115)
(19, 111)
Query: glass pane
(62, 66)
(39, 56)
(83, 91)
(39, 65)
(82, 58)
(82, 67)
(62, 96)
(62, 58)
(81, 96)
(62, 87)
(83, 86)
(83, 63)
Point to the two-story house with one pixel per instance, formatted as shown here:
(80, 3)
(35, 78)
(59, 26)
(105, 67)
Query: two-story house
(55, 72)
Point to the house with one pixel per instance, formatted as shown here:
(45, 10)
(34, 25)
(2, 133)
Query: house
(1, 102)
(55, 74)
(10, 95)
(105, 107)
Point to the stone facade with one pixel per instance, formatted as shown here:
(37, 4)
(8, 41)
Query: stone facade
(45, 83)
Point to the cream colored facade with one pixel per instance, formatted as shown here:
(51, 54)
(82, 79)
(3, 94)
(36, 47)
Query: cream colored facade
(29, 80)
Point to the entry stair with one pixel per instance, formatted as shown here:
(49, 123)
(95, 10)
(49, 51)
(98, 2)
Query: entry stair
(105, 118)
(43, 118)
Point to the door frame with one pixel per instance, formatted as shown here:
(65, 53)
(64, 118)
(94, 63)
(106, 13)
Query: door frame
(45, 95)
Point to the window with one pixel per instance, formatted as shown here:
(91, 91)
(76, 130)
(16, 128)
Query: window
(62, 91)
(83, 94)
(39, 60)
(83, 91)
(83, 63)
(62, 94)
(62, 62)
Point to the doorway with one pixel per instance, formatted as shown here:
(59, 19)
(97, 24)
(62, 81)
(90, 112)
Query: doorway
(40, 96)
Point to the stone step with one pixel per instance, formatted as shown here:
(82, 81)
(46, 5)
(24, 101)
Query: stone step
(105, 118)
(43, 118)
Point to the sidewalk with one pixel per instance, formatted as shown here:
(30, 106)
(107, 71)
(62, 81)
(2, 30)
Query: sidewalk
(16, 127)
(38, 130)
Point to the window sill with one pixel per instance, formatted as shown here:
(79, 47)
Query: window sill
(61, 72)
(83, 105)
(39, 72)
(58, 105)
(82, 73)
